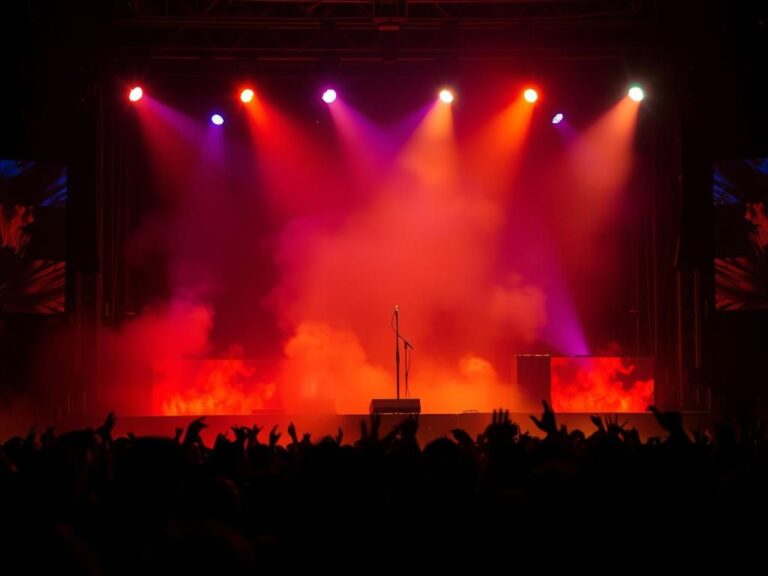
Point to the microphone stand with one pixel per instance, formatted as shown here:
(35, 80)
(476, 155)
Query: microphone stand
(407, 367)
(406, 345)
(397, 348)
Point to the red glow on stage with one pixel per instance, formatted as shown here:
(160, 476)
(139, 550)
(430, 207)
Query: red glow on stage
(607, 384)
(472, 384)
(212, 386)
(325, 370)
(164, 335)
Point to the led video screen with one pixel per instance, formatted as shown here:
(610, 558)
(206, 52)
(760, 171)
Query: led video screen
(740, 195)
(602, 384)
(33, 199)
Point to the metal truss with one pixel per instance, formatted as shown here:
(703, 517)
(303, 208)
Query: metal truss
(378, 29)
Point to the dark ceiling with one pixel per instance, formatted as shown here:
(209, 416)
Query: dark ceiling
(71, 49)
(379, 29)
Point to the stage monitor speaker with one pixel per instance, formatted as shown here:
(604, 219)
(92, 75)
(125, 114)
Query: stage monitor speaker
(533, 375)
(395, 406)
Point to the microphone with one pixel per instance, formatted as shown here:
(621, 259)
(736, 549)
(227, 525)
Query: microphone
(407, 344)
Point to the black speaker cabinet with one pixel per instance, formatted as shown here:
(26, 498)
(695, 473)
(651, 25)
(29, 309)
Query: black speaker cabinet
(395, 406)
(533, 375)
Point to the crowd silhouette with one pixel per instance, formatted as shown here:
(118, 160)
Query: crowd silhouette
(83, 502)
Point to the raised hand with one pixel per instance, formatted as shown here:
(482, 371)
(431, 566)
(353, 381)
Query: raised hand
(274, 436)
(105, 430)
(462, 438)
(372, 436)
(375, 425)
(193, 431)
(253, 434)
(548, 422)
(292, 433)
(672, 422)
(241, 434)
(631, 436)
(409, 427)
(613, 425)
(598, 422)
(500, 417)
(501, 430)
(339, 436)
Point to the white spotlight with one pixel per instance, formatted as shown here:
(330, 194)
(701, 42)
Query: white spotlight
(329, 96)
(247, 95)
(636, 93)
(135, 94)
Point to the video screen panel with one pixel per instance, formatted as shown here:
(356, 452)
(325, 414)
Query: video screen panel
(740, 195)
(602, 384)
(33, 198)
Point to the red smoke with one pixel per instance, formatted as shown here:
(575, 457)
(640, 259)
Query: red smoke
(163, 335)
(427, 243)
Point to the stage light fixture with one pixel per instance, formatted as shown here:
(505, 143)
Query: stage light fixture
(557, 118)
(217, 119)
(329, 96)
(636, 93)
(246, 95)
(446, 96)
(135, 94)
(530, 95)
